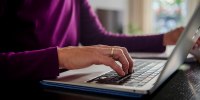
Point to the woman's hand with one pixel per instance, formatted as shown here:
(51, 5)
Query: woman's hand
(197, 44)
(84, 56)
(171, 37)
(195, 51)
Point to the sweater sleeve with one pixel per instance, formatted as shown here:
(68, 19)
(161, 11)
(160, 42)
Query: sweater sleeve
(93, 33)
(29, 65)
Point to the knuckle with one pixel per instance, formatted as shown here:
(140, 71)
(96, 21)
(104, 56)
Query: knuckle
(126, 64)
(123, 48)
(120, 51)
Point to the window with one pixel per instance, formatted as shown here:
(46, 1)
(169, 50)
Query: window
(168, 14)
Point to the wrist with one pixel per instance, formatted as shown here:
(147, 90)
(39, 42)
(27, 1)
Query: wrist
(165, 40)
(59, 58)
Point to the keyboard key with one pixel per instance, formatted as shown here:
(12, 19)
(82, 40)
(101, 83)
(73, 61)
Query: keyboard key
(144, 72)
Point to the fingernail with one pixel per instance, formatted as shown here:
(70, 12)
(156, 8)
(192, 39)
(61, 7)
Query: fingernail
(123, 73)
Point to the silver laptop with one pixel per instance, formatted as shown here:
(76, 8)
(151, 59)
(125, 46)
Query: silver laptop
(148, 76)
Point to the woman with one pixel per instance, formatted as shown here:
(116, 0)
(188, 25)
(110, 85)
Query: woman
(40, 36)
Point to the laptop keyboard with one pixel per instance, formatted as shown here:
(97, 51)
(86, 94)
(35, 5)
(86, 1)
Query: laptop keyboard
(143, 72)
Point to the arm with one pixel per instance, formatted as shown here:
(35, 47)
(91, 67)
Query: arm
(92, 33)
(16, 61)
(29, 65)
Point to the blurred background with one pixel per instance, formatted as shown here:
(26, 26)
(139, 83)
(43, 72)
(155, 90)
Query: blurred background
(143, 16)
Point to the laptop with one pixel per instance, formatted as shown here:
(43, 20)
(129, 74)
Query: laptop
(148, 74)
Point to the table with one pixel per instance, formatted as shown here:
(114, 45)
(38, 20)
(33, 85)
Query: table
(184, 84)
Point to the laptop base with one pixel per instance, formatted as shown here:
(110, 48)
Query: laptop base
(46, 84)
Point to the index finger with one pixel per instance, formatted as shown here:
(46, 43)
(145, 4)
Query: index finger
(130, 60)
(127, 55)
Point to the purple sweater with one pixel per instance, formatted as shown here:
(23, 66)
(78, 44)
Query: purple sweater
(30, 31)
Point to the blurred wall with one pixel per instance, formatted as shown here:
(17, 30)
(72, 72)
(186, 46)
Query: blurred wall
(136, 12)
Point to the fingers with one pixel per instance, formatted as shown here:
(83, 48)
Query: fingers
(129, 59)
(111, 62)
(125, 51)
(198, 41)
(120, 54)
(197, 44)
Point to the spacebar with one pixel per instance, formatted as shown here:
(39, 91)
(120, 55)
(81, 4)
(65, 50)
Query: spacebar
(115, 80)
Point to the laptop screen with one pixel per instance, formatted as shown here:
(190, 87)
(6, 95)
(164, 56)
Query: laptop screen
(186, 41)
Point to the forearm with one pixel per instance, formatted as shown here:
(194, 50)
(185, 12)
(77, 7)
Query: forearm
(150, 43)
(171, 37)
(94, 33)
(29, 65)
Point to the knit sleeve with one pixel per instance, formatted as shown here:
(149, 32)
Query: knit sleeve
(92, 33)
